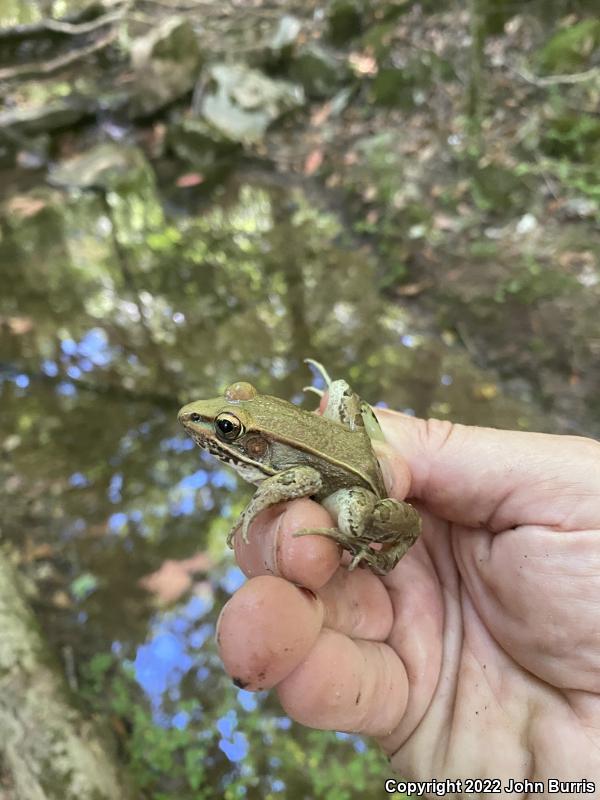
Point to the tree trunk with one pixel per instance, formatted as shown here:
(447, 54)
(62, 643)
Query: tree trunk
(48, 750)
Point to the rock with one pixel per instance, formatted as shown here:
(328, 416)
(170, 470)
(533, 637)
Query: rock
(106, 166)
(286, 34)
(318, 70)
(241, 102)
(202, 146)
(166, 64)
(48, 116)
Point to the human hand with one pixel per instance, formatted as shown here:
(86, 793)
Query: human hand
(479, 654)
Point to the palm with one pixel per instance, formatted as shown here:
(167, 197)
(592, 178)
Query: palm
(511, 631)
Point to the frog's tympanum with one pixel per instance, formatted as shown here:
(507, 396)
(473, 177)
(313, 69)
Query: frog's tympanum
(288, 452)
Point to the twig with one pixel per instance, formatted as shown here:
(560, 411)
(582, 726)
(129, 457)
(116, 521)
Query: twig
(556, 80)
(34, 69)
(60, 26)
(73, 29)
(175, 7)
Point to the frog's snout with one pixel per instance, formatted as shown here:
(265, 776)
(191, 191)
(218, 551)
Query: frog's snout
(185, 416)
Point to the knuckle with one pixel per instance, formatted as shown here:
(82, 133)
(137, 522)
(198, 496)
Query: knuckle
(437, 432)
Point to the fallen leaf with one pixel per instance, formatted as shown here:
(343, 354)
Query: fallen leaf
(313, 161)
(320, 115)
(413, 289)
(17, 325)
(168, 583)
(25, 206)
(174, 578)
(189, 179)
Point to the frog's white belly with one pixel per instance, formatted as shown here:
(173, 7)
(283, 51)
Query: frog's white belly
(248, 472)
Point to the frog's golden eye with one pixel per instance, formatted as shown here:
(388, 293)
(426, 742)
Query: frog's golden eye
(228, 427)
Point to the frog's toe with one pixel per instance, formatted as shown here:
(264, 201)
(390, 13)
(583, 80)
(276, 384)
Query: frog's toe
(320, 369)
(332, 533)
(314, 390)
(357, 560)
(245, 537)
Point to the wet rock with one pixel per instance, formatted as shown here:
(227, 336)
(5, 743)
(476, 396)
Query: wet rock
(105, 166)
(318, 71)
(166, 64)
(44, 117)
(285, 35)
(202, 146)
(241, 102)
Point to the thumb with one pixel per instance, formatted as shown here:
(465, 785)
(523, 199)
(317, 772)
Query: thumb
(494, 479)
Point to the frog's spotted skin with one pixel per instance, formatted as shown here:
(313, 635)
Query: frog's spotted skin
(288, 453)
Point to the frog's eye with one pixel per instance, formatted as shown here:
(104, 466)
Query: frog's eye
(228, 427)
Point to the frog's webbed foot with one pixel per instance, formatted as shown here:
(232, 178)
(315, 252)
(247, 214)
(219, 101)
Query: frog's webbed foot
(302, 481)
(363, 520)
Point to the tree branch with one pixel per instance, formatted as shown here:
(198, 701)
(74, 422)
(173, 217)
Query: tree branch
(33, 69)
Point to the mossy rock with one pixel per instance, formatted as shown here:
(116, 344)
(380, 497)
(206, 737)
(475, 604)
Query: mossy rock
(166, 64)
(318, 71)
(203, 147)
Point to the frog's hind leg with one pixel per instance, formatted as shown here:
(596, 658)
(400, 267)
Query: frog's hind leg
(364, 520)
(396, 526)
(353, 511)
(343, 404)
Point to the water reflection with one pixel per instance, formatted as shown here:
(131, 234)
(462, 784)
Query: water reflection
(121, 312)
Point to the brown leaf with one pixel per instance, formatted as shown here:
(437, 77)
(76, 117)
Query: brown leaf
(320, 115)
(313, 161)
(25, 206)
(413, 289)
(17, 325)
(174, 578)
(168, 583)
(189, 179)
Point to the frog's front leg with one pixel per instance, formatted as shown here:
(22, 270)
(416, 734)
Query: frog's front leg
(301, 481)
(362, 520)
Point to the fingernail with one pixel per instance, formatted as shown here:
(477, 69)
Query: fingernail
(270, 544)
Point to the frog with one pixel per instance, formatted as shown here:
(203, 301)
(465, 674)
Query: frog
(288, 452)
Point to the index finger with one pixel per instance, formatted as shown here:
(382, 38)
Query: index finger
(272, 548)
(493, 479)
